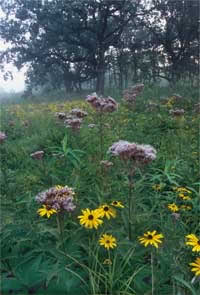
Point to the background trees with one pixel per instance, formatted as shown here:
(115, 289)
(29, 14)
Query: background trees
(69, 42)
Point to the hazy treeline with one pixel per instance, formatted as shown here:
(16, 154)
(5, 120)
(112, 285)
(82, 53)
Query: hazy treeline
(97, 43)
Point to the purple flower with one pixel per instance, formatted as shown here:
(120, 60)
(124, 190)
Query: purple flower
(37, 155)
(139, 153)
(2, 137)
(58, 198)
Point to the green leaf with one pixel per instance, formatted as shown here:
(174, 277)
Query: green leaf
(186, 284)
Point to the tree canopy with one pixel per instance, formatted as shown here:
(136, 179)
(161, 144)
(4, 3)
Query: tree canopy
(70, 42)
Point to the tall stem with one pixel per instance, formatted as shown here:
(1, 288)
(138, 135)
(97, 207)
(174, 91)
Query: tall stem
(152, 273)
(131, 211)
(60, 230)
(101, 134)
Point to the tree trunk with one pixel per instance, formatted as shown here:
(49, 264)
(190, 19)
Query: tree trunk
(100, 81)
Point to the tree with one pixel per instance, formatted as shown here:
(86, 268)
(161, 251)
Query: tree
(63, 32)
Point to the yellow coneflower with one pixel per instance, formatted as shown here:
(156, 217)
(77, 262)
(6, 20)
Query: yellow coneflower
(46, 210)
(108, 241)
(107, 211)
(117, 204)
(196, 266)
(192, 240)
(173, 207)
(90, 218)
(151, 238)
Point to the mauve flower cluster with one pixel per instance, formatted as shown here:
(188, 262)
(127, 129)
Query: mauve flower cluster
(37, 155)
(177, 97)
(78, 113)
(140, 153)
(75, 118)
(132, 92)
(100, 104)
(2, 137)
(60, 115)
(177, 112)
(58, 198)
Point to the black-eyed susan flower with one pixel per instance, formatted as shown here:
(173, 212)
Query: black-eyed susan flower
(184, 197)
(192, 240)
(173, 207)
(107, 262)
(108, 241)
(107, 211)
(151, 238)
(117, 204)
(46, 210)
(196, 266)
(157, 187)
(186, 207)
(90, 218)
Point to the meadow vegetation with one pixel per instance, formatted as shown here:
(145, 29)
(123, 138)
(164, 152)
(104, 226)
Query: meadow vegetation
(123, 222)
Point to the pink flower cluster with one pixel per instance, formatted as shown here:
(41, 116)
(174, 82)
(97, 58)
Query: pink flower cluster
(60, 115)
(140, 153)
(177, 97)
(75, 119)
(58, 198)
(37, 155)
(100, 104)
(177, 112)
(132, 92)
(2, 137)
(78, 113)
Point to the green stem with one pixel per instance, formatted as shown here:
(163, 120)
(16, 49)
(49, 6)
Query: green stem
(152, 273)
(60, 230)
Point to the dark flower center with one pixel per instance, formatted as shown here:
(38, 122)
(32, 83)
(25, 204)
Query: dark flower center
(107, 242)
(106, 208)
(198, 242)
(149, 237)
(90, 217)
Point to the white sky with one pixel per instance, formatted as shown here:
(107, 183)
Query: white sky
(17, 84)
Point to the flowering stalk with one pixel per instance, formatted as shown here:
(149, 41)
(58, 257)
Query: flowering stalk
(131, 206)
(59, 219)
(152, 273)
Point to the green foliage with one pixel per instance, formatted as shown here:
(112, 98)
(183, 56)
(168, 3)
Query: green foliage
(38, 258)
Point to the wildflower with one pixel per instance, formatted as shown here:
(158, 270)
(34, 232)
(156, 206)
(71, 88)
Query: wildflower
(196, 266)
(108, 241)
(177, 112)
(185, 207)
(117, 204)
(102, 104)
(173, 207)
(74, 123)
(78, 113)
(182, 190)
(140, 153)
(91, 125)
(2, 137)
(46, 210)
(58, 198)
(177, 97)
(193, 241)
(184, 197)
(156, 187)
(107, 262)
(90, 218)
(107, 211)
(151, 238)
(60, 115)
(132, 92)
(37, 155)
